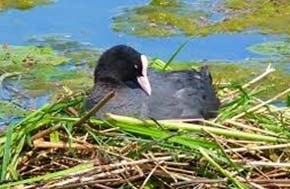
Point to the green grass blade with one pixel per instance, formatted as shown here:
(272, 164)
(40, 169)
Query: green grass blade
(48, 176)
(175, 54)
(7, 152)
(14, 162)
(164, 135)
(223, 171)
(195, 128)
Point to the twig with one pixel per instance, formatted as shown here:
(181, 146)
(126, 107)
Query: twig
(267, 164)
(98, 106)
(150, 174)
(253, 148)
(102, 186)
(45, 132)
(78, 181)
(241, 125)
(172, 175)
(268, 70)
(262, 104)
(76, 185)
(43, 144)
(226, 173)
(199, 180)
(266, 181)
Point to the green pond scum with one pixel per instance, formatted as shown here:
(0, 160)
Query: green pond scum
(37, 71)
(58, 42)
(272, 48)
(22, 4)
(159, 18)
(39, 67)
(173, 17)
(8, 108)
(29, 56)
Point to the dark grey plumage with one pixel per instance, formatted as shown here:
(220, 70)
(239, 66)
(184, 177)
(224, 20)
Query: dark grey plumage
(178, 94)
(182, 94)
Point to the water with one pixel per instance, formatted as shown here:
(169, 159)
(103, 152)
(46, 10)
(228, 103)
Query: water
(91, 22)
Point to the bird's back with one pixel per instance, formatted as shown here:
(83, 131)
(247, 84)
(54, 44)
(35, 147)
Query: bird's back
(182, 94)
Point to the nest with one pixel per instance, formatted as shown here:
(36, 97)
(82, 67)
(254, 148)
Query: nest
(61, 146)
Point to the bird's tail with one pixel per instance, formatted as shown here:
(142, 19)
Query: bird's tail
(205, 73)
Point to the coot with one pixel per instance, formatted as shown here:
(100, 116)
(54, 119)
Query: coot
(124, 70)
(179, 94)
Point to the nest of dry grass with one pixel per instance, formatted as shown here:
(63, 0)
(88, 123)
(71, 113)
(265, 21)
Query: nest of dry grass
(60, 146)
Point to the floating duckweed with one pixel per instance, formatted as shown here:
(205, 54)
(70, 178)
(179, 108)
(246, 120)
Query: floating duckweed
(39, 69)
(22, 4)
(168, 17)
(11, 55)
(160, 18)
(8, 108)
(272, 48)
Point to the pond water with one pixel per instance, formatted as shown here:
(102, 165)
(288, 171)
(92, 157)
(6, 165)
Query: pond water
(91, 23)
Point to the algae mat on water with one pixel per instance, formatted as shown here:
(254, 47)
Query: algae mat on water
(22, 4)
(28, 71)
(173, 17)
(272, 48)
(28, 56)
(39, 68)
(159, 18)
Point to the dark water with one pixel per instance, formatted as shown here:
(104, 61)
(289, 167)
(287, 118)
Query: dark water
(90, 21)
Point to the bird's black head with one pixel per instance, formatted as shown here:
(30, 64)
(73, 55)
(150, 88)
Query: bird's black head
(124, 64)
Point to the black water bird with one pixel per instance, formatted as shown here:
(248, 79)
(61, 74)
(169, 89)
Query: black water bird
(123, 70)
(169, 95)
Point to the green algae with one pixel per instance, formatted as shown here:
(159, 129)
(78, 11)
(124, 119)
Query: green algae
(168, 17)
(51, 79)
(88, 57)
(28, 56)
(159, 18)
(79, 53)
(8, 108)
(269, 17)
(22, 4)
(272, 48)
(40, 69)
(165, 3)
(58, 42)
